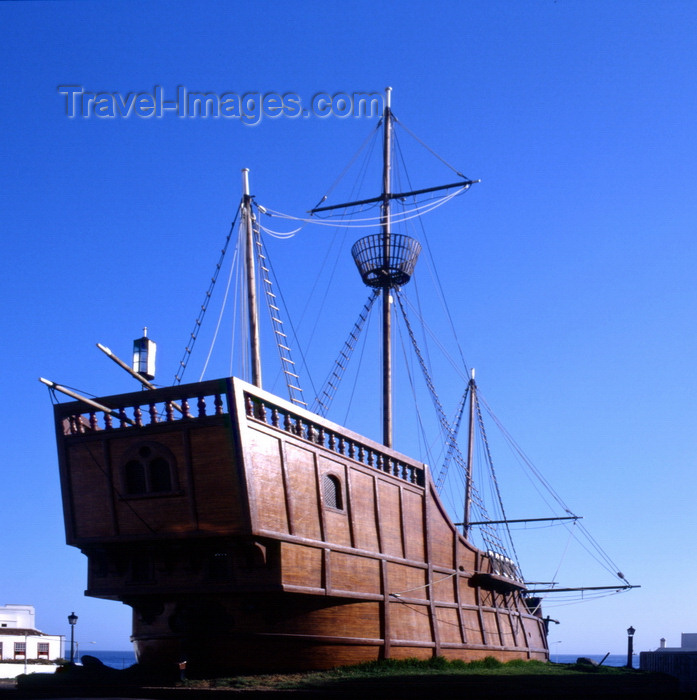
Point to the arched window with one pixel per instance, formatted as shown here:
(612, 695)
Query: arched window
(331, 492)
(160, 475)
(134, 473)
(149, 469)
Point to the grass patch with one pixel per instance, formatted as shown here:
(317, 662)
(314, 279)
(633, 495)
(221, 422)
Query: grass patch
(404, 668)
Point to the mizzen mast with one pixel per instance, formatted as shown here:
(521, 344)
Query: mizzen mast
(466, 524)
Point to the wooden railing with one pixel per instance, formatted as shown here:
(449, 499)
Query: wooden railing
(206, 399)
(318, 434)
(144, 408)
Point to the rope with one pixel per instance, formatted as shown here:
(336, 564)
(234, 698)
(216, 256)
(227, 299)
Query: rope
(331, 384)
(371, 135)
(372, 221)
(204, 307)
(355, 380)
(283, 235)
(287, 364)
(487, 532)
(429, 149)
(563, 556)
(121, 497)
(220, 315)
(531, 470)
(426, 585)
(492, 471)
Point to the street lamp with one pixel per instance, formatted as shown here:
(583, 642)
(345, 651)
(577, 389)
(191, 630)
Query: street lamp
(72, 621)
(630, 646)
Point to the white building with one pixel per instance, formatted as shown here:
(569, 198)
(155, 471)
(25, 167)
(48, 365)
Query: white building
(688, 642)
(21, 641)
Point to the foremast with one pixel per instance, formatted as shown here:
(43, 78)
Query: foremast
(252, 307)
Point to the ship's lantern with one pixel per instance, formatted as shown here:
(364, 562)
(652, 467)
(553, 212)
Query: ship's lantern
(144, 351)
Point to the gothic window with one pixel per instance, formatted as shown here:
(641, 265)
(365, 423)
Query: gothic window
(149, 469)
(135, 477)
(160, 475)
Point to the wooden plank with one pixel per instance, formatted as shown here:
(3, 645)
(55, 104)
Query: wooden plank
(385, 609)
(266, 480)
(90, 489)
(352, 573)
(478, 600)
(303, 491)
(390, 517)
(321, 511)
(190, 482)
(302, 566)
(106, 456)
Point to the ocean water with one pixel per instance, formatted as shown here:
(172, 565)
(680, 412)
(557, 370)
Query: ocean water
(115, 659)
(124, 659)
(612, 660)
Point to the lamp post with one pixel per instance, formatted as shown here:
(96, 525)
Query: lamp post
(72, 621)
(630, 646)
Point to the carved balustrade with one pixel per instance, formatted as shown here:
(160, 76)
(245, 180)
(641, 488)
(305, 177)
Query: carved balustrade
(340, 443)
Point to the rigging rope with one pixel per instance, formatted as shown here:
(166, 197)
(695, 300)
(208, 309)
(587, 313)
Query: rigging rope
(233, 267)
(283, 235)
(371, 136)
(372, 221)
(450, 452)
(600, 555)
(433, 268)
(326, 395)
(488, 531)
(428, 148)
(204, 307)
(492, 471)
(590, 545)
(563, 555)
(355, 380)
(288, 367)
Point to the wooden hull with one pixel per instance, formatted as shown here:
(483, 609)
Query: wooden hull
(295, 632)
(249, 534)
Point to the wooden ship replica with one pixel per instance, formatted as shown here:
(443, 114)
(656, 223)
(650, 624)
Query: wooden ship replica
(249, 533)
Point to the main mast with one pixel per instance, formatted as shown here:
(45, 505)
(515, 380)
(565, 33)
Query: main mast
(386, 290)
(386, 260)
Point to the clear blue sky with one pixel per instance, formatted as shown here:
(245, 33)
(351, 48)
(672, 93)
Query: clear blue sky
(572, 265)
